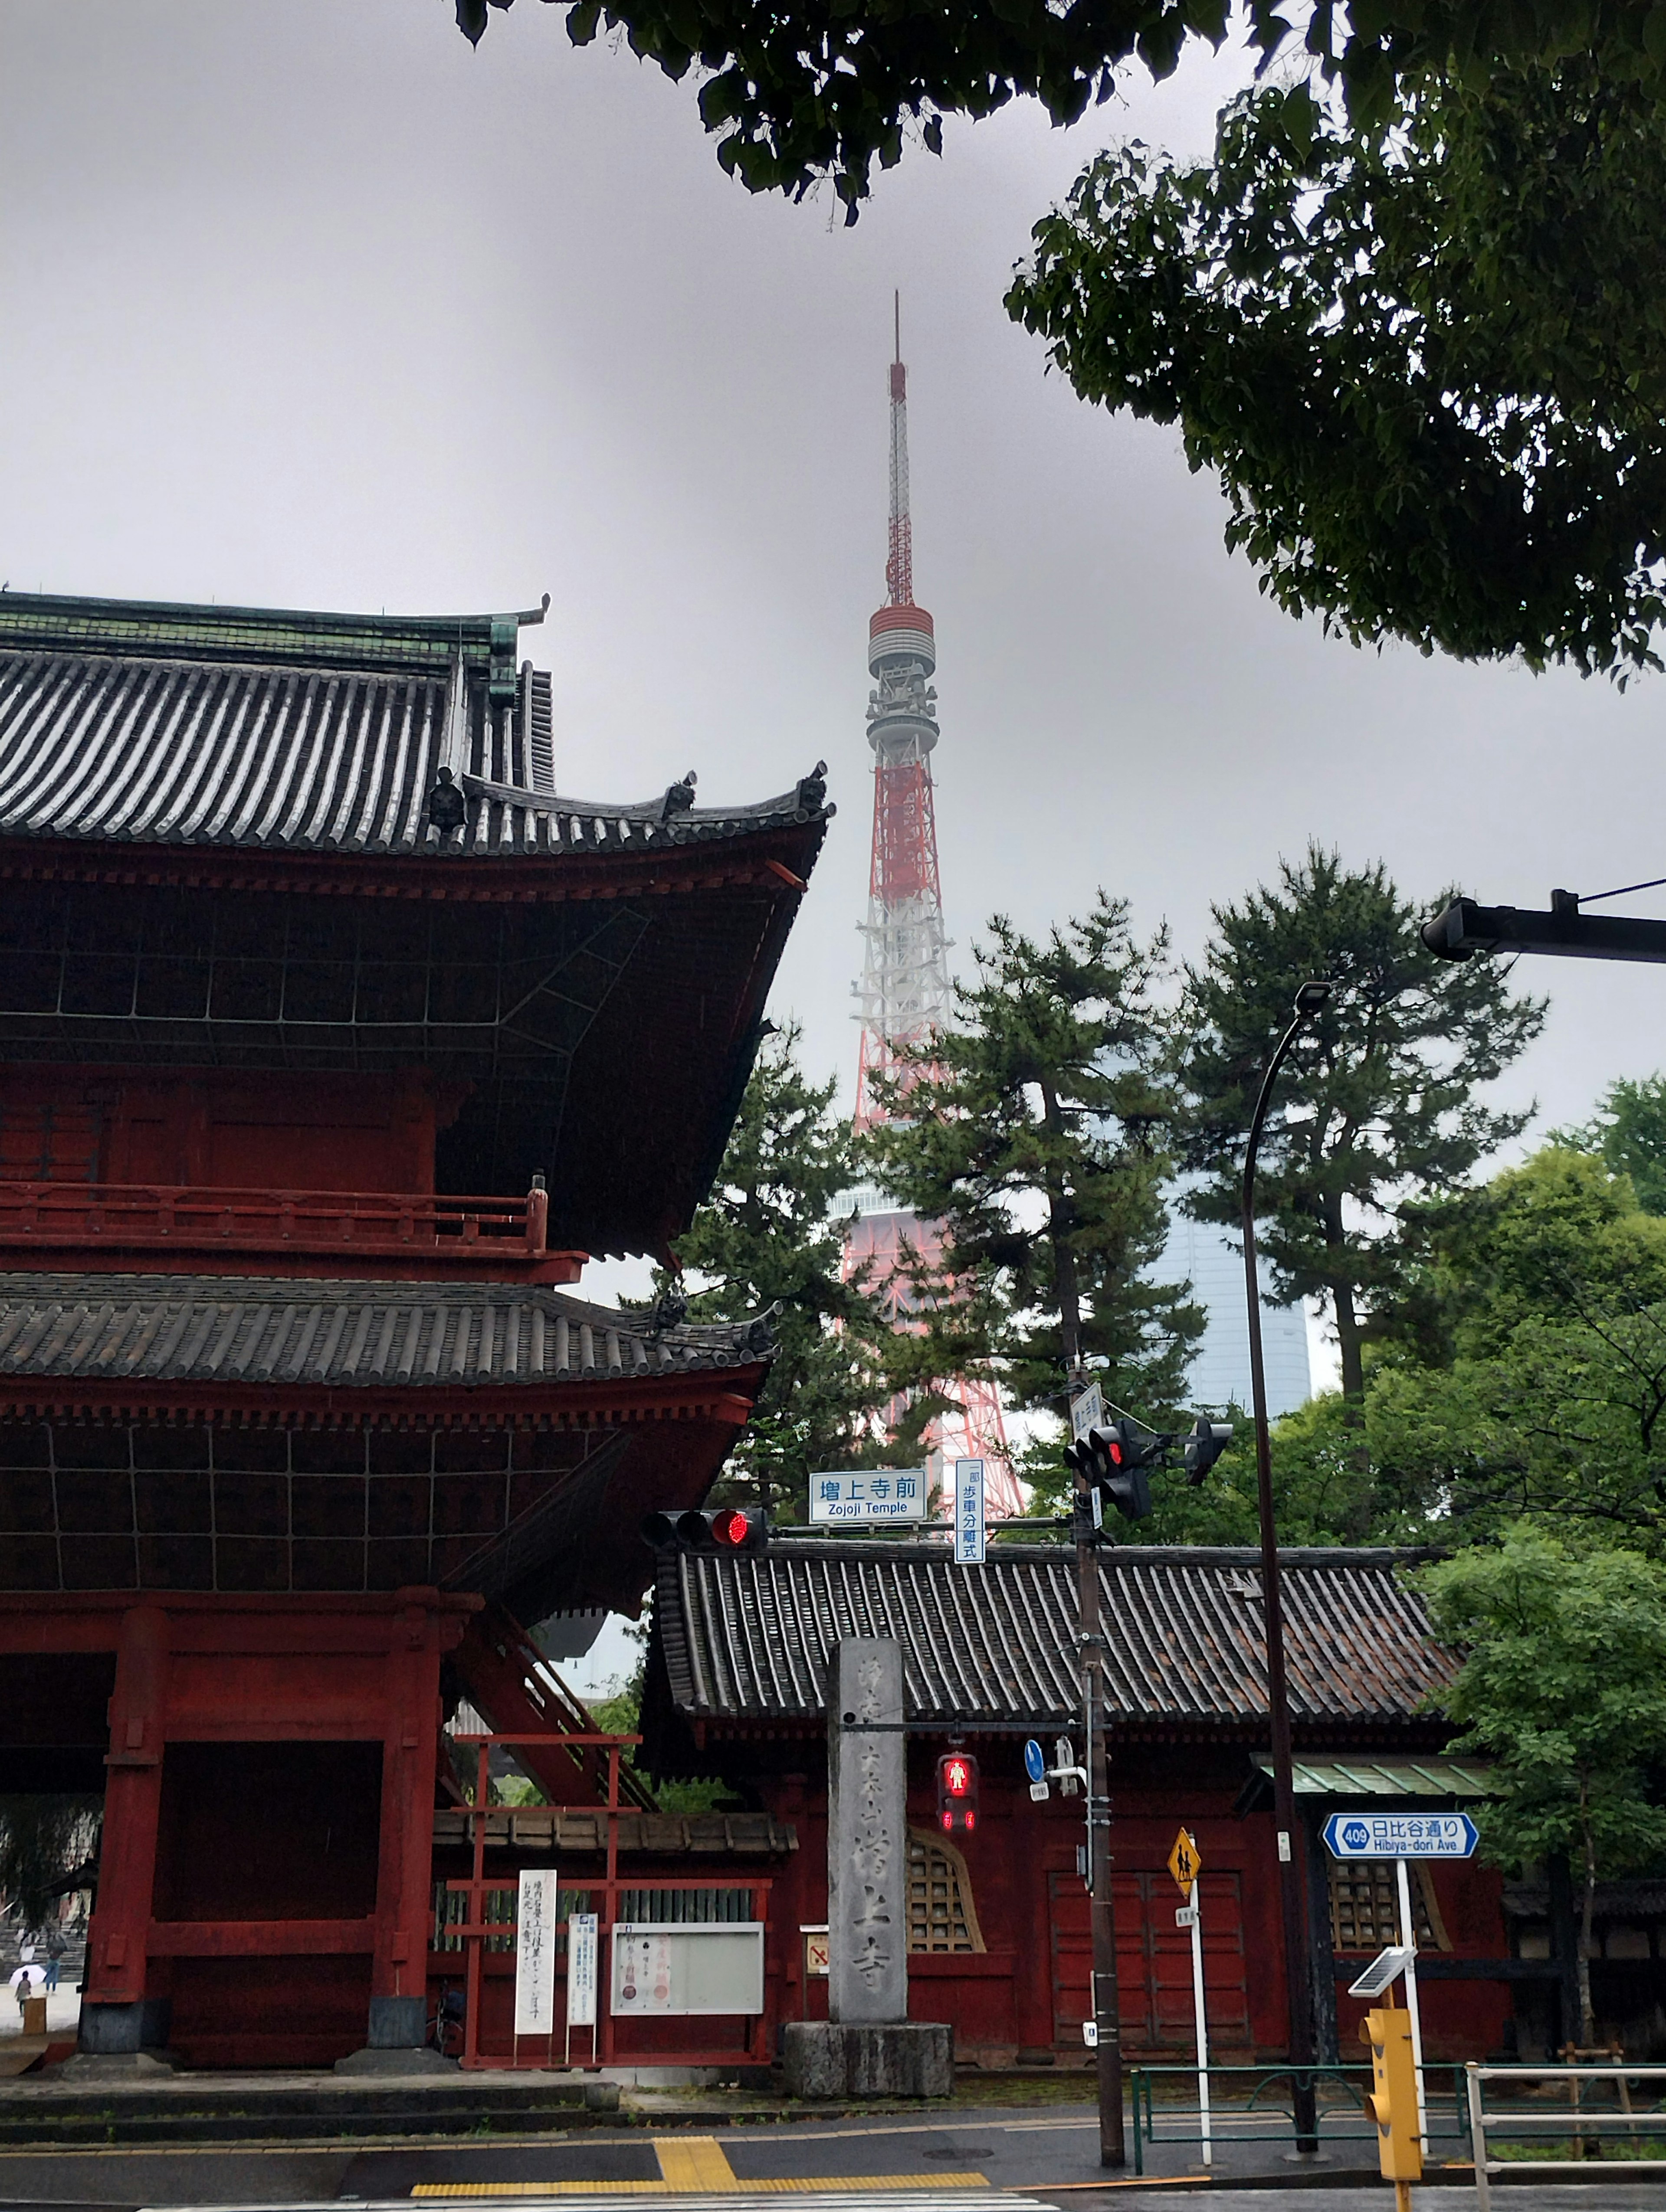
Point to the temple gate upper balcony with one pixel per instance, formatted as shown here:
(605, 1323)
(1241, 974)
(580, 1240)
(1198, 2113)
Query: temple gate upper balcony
(176, 1229)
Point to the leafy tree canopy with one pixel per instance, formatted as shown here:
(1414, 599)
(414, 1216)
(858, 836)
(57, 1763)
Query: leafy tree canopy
(1377, 1106)
(1425, 361)
(1564, 1687)
(1628, 1135)
(769, 1234)
(1532, 1379)
(1034, 1131)
(795, 89)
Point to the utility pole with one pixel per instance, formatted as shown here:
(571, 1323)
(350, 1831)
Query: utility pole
(1308, 1001)
(1102, 2006)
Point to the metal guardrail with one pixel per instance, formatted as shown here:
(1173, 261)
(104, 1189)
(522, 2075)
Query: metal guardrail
(1573, 2120)
(1240, 2120)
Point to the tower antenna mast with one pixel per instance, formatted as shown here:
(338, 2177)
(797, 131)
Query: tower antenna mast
(904, 990)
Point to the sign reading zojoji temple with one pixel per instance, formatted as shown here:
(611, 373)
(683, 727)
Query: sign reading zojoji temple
(321, 1005)
(869, 1497)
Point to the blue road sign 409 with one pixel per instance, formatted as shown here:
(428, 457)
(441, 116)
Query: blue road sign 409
(1400, 1836)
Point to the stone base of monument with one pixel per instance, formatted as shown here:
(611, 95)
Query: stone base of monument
(906, 2058)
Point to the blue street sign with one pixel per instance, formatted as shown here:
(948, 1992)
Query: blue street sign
(1034, 1764)
(1400, 1836)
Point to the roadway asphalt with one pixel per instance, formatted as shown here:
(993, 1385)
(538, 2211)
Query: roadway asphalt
(901, 2163)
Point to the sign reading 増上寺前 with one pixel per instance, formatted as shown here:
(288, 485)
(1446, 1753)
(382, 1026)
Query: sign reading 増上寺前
(1400, 1836)
(869, 1497)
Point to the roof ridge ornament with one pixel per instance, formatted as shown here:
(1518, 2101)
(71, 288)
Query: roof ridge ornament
(447, 809)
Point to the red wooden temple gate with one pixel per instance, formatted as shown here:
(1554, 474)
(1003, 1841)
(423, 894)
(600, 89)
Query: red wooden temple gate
(300, 951)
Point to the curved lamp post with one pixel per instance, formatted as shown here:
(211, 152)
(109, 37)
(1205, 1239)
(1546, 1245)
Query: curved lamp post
(1309, 999)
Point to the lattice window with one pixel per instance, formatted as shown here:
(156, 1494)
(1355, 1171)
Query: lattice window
(942, 1916)
(1365, 1907)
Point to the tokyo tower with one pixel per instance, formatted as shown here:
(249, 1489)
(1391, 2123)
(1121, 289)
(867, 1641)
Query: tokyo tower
(904, 990)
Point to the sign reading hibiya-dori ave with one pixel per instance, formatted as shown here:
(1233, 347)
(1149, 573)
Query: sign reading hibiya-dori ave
(1400, 1836)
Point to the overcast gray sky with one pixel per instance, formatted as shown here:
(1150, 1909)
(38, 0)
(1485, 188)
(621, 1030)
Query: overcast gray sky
(306, 304)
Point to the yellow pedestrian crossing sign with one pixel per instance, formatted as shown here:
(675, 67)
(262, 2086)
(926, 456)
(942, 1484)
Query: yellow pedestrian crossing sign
(1184, 1862)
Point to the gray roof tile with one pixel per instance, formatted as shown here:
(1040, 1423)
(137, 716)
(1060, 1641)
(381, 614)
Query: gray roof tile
(239, 726)
(207, 1328)
(750, 1640)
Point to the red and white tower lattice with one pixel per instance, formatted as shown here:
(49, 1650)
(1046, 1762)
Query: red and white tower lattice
(904, 990)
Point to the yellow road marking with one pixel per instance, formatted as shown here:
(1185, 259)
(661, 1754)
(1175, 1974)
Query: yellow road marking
(788, 2186)
(688, 2163)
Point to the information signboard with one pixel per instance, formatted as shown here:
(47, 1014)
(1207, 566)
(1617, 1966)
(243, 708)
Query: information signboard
(535, 1952)
(688, 1966)
(581, 1948)
(869, 1498)
(1400, 1836)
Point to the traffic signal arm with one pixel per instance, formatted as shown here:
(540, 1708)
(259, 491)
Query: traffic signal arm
(1392, 2103)
(1467, 927)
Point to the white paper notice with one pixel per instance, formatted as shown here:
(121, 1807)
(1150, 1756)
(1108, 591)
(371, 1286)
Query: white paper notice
(642, 1973)
(535, 1954)
(581, 1969)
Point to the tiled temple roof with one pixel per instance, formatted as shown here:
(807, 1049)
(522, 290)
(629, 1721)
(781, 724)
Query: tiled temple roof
(748, 1641)
(220, 1329)
(129, 722)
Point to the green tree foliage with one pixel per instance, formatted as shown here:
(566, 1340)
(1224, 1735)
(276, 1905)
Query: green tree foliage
(1532, 1378)
(1035, 1132)
(1628, 1135)
(768, 1235)
(42, 1839)
(802, 88)
(1564, 1687)
(1377, 1106)
(1425, 361)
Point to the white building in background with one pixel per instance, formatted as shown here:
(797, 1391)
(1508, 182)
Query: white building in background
(1200, 1253)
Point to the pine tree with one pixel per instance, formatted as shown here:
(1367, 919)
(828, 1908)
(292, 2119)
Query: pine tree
(1034, 1131)
(769, 1234)
(1377, 1107)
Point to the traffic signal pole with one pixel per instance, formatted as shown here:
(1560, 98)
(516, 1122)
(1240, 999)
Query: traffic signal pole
(1102, 2007)
(1308, 1001)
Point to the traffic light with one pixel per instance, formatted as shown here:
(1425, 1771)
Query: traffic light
(733, 1530)
(1204, 1446)
(1393, 2101)
(957, 1793)
(1115, 1458)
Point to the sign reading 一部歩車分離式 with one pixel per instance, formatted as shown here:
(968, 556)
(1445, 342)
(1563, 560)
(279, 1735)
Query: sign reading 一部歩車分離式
(1400, 1836)
(869, 1497)
(968, 1534)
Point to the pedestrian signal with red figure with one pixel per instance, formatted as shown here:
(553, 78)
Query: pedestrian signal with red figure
(957, 1793)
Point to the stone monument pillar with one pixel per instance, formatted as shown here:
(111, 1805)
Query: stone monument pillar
(867, 1834)
(867, 2046)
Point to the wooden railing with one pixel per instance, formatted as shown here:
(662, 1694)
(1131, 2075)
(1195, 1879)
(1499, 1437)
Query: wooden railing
(87, 1219)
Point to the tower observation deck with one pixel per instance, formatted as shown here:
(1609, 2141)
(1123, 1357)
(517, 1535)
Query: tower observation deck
(904, 990)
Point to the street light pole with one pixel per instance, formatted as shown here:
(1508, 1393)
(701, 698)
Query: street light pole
(1104, 2008)
(1308, 1001)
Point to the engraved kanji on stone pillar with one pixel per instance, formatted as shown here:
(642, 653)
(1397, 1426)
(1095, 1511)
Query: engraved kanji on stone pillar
(867, 1835)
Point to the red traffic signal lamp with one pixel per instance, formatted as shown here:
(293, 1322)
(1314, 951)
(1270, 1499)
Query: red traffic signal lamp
(957, 1793)
(1115, 1458)
(730, 1530)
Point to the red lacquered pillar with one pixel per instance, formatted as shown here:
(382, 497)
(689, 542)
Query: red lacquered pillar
(114, 2016)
